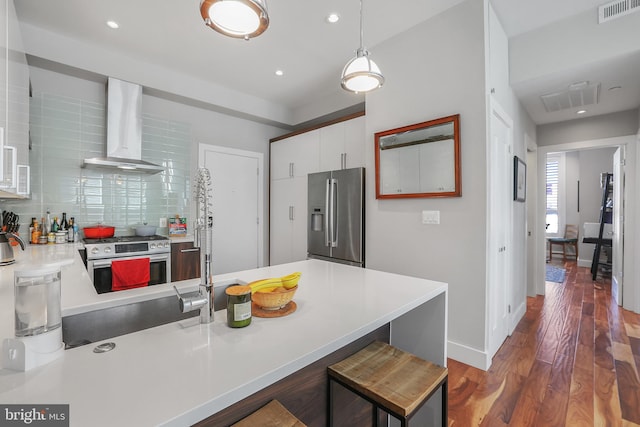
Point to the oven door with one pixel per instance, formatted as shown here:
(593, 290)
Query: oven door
(100, 270)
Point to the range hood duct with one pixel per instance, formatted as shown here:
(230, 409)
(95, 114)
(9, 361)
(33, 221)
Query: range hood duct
(124, 131)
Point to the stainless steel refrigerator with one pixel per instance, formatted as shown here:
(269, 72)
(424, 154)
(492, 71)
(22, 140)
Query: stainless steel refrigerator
(335, 227)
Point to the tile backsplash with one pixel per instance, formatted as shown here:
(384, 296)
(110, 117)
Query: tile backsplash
(64, 131)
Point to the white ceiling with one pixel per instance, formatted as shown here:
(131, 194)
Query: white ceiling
(310, 51)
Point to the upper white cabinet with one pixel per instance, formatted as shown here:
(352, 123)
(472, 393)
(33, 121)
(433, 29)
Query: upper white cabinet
(342, 145)
(14, 101)
(296, 156)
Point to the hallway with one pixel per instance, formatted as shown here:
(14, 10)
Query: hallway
(573, 360)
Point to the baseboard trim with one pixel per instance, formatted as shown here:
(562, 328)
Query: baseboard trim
(584, 262)
(469, 356)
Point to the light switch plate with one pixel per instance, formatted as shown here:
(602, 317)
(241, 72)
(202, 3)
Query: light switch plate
(163, 222)
(431, 217)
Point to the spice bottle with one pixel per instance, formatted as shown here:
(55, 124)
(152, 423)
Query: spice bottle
(71, 231)
(54, 225)
(63, 223)
(238, 306)
(35, 233)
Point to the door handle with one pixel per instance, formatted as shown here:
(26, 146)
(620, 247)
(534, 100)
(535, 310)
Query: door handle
(189, 250)
(327, 212)
(333, 184)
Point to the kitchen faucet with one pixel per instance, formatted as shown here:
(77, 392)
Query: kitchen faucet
(203, 301)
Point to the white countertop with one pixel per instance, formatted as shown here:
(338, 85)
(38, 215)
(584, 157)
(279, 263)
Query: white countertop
(180, 373)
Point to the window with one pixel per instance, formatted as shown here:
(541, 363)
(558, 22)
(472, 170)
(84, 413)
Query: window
(552, 187)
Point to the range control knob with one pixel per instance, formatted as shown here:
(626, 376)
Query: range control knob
(107, 250)
(94, 250)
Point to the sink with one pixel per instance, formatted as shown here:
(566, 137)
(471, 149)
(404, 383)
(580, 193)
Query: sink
(98, 325)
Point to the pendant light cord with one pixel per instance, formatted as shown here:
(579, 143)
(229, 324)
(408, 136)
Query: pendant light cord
(361, 27)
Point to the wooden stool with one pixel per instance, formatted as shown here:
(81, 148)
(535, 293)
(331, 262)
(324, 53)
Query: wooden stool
(273, 414)
(391, 379)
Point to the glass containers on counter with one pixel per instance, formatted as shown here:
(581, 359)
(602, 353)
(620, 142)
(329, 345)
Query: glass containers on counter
(238, 306)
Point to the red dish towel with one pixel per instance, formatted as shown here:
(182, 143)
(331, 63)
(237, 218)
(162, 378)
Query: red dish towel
(129, 274)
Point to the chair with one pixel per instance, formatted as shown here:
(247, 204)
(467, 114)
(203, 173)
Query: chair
(393, 380)
(570, 239)
(272, 414)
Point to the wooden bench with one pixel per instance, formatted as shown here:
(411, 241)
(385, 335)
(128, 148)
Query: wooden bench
(390, 379)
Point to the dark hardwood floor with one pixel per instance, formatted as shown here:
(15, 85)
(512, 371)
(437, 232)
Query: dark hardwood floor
(573, 360)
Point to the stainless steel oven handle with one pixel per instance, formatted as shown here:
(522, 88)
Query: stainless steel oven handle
(107, 263)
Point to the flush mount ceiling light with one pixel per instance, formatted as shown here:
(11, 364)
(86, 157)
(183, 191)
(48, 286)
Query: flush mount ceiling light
(361, 74)
(113, 25)
(236, 18)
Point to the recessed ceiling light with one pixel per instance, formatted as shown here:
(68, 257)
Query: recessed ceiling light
(614, 88)
(279, 73)
(113, 24)
(581, 111)
(333, 18)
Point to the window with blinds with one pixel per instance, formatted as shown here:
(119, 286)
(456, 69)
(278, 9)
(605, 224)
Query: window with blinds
(553, 178)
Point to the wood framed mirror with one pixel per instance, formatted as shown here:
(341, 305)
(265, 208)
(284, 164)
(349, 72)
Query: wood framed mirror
(419, 160)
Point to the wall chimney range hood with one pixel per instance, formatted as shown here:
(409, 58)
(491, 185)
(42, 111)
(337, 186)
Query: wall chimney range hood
(124, 131)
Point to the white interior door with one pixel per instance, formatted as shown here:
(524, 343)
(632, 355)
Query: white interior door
(237, 207)
(500, 197)
(618, 224)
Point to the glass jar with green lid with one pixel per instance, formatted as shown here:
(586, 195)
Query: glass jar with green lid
(238, 306)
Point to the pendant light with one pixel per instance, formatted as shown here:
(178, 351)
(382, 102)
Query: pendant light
(236, 18)
(361, 74)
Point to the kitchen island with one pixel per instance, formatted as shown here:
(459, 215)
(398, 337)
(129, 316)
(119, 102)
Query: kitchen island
(183, 372)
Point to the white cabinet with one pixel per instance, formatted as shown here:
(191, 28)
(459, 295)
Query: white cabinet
(14, 77)
(295, 156)
(288, 220)
(342, 145)
(292, 159)
(338, 146)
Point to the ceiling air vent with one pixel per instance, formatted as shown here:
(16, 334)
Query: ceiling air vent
(616, 9)
(576, 95)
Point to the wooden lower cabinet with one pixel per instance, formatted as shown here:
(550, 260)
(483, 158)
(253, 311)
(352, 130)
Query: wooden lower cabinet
(185, 261)
(304, 393)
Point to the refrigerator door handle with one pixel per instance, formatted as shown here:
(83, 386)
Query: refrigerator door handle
(333, 183)
(334, 214)
(327, 212)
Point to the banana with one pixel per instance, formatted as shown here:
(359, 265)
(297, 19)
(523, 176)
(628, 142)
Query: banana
(265, 285)
(291, 280)
(269, 285)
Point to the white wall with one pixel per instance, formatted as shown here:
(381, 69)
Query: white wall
(46, 46)
(443, 75)
(606, 126)
(572, 43)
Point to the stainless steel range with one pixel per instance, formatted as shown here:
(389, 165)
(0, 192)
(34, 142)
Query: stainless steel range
(102, 252)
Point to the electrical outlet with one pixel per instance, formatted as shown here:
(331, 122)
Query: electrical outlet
(163, 222)
(431, 217)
